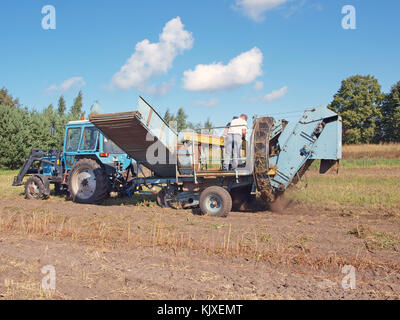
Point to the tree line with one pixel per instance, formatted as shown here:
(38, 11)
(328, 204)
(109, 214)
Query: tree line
(22, 129)
(369, 116)
(180, 121)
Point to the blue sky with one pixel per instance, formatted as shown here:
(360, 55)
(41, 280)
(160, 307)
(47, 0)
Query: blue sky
(258, 56)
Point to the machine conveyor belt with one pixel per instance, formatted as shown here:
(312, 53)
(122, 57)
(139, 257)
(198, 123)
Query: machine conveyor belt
(137, 131)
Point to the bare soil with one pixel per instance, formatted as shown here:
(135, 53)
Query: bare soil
(117, 251)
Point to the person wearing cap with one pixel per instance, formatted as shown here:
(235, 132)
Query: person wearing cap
(233, 141)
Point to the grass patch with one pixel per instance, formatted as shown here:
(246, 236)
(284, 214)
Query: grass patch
(266, 238)
(355, 190)
(370, 163)
(6, 188)
(217, 226)
(376, 240)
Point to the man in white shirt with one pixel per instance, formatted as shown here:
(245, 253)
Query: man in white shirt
(233, 140)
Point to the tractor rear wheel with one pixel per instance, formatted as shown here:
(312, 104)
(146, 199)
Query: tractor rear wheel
(215, 201)
(88, 182)
(35, 189)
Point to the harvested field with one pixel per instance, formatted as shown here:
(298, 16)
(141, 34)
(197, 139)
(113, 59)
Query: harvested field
(132, 249)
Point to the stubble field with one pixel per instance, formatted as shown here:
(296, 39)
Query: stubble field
(132, 249)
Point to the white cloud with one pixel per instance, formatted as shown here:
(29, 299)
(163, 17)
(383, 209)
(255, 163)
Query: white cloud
(154, 59)
(258, 85)
(159, 89)
(241, 70)
(207, 103)
(295, 8)
(74, 82)
(276, 94)
(255, 9)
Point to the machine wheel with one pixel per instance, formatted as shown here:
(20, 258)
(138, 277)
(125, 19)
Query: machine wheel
(88, 182)
(35, 189)
(161, 198)
(215, 201)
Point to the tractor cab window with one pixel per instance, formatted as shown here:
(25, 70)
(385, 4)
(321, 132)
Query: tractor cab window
(73, 137)
(110, 147)
(89, 139)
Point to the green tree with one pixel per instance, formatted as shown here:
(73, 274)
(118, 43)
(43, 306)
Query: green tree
(358, 102)
(168, 116)
(76, 108)
(181, 117)
(208, 125)
(15, 138)
(61, 106)
(49, 110)
(7, 99)
(390, 123)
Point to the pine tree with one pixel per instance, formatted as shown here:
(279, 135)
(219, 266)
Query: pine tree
(49, 110)
(15, 138)
(76, 108)
(168, 116)
(208, 126)
(181, 117)
(7, 99)
(61, 106)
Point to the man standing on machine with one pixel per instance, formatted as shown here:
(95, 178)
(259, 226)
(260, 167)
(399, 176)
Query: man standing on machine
(233, 141)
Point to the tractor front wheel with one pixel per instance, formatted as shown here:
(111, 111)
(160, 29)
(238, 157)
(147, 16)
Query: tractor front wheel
(35, 189)
(88, 182)
(215, 201)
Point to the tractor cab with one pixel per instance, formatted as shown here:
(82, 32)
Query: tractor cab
(83, 140)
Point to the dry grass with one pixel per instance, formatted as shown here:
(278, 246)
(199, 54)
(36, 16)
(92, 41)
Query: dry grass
(372, 151)
(25, 282)
(376, 192)
(157, 232)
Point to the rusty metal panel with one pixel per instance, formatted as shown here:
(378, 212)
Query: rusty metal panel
(134, 132)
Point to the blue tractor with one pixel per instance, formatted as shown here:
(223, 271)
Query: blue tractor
(89, 167)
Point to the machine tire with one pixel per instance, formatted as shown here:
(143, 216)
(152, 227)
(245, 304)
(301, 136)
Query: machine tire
(163, 201)
(36, 189)
(160, 198)
(215, 201)
(88, 182)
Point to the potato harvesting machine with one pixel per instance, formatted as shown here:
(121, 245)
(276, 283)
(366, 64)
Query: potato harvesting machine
(187, 166)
